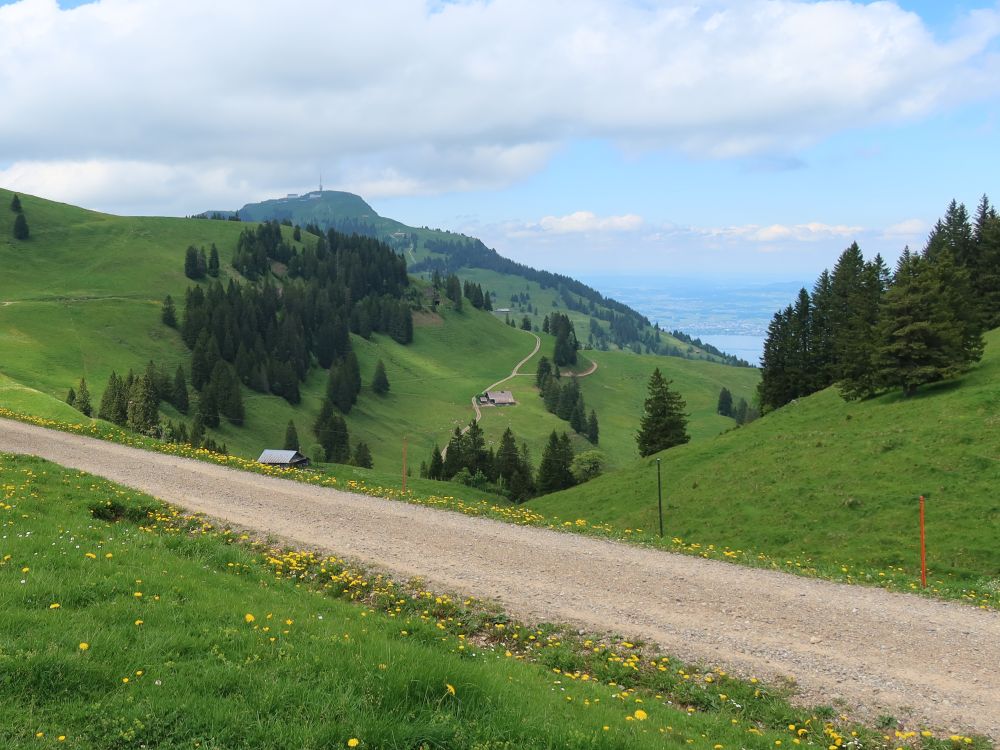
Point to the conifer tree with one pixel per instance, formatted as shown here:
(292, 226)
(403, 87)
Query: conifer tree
(725, 404)
(191, 263)
(928, 331)
(380, 381)
(21, 231)
(362, 456)
(83, 399)
(664, 422)
(554, 472)
(208, 407)
(593, 431)
(71, 398)
(15, 204)
(179, 393)
(114, 401)
(435, 470)
(291, 437)
(141, 411)
(213, 261)
(168, 314)
(453, 458)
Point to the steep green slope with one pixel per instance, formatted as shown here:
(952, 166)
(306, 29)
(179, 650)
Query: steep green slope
(177, 634)
(826, 481)
(82, 297)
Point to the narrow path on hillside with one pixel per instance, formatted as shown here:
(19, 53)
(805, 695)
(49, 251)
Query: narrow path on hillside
(513, 374)
(589, 371)
(863, 650)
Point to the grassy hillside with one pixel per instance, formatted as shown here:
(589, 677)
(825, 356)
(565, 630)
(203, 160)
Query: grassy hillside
(82, 297)
(178, 634)
(829, 482)
(347, 212)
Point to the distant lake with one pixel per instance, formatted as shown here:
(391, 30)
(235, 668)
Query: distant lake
(731, 316)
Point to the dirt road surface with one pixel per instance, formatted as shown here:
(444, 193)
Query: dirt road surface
(866, 650)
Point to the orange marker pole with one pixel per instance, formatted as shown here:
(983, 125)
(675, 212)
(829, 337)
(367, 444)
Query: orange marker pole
(404, 464)
(923, 547)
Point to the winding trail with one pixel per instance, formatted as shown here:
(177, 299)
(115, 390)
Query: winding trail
(513, 374)
(865, 651)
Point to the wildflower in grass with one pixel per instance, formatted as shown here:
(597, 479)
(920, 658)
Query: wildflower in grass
(138, 622)
(353, 742)
(641, 715)
(54, 605)
(108, 556)
(84, 646)
(450, 689)
(249, 618)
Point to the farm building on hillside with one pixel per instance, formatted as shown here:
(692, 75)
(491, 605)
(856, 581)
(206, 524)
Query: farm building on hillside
(284, 459)
(500, 398)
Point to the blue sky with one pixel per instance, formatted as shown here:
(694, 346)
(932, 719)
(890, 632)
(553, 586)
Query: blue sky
(749, 139)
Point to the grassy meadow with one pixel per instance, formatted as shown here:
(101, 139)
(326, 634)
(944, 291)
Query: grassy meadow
(124, 624)
(82, 297)
(832, 484)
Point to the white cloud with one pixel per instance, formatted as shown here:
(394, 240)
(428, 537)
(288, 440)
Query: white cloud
(809, 232)
(907, 229)
(578, 222)
(402, 97)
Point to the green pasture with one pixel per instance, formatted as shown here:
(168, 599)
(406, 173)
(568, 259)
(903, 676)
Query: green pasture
(831, 483)
(126, 625)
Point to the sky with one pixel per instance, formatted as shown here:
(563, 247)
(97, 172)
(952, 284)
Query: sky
(744, 140)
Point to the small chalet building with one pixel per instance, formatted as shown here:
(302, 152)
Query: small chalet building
(500, 398)
(284, 459)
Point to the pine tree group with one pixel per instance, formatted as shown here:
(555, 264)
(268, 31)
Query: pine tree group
(869, 330)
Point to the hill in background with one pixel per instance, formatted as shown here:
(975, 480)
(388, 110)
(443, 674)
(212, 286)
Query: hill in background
(82, 297)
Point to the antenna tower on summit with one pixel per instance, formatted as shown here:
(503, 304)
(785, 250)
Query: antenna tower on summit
(321, 182)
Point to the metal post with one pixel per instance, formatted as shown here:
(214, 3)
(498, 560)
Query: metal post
(659, 495)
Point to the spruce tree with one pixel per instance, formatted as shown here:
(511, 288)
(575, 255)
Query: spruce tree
(928, 331)
(593, 431)
(380, 382)
(291, 437)
(15, 204)
(21, 231)
(141, 412)
(191, 263)
(83, 399)
(213, 261)
(725, 404)
(362, 456)
(664, 422)
(435, 469)
(179, 393)
(168, 314)
(554, 472)
(71, 398)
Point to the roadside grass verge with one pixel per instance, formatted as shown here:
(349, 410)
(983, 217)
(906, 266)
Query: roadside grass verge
(168, 631)
(982, 591)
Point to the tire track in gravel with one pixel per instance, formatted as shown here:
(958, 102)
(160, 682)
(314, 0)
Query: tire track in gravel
(868, 651)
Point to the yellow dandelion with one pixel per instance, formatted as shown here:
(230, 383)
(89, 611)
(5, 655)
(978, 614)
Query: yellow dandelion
(450, 689)
(249, 617)
(138, 622)
(353, 742)
(61, 738)
(641, 715)
(84, 646)
(109, 556)
(54, 605)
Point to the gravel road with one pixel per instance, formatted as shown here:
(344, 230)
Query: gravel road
(866, 650)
